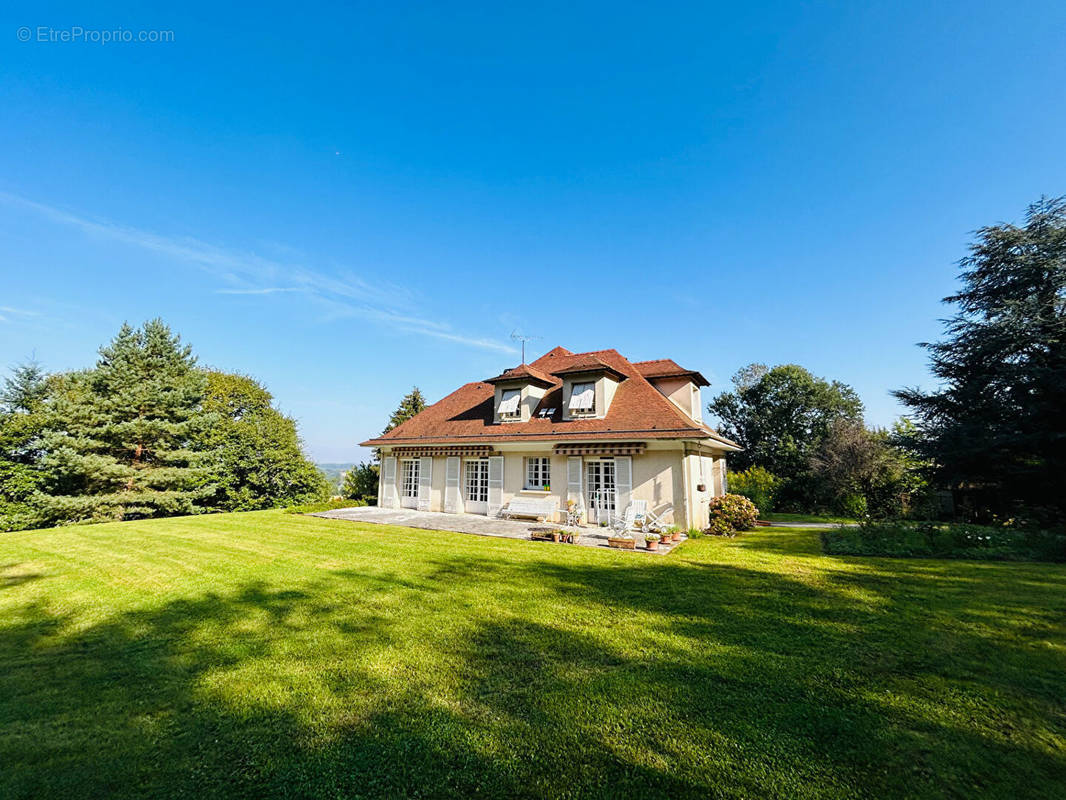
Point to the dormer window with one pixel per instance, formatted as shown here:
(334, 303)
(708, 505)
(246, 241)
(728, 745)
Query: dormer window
(509, 401)
(583, 398)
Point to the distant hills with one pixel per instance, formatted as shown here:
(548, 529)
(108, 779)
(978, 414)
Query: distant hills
(335, 471)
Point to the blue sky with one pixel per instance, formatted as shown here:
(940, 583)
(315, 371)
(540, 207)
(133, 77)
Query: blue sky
(345, 200)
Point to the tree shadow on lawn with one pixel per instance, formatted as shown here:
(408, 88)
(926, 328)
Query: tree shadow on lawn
(679, 679)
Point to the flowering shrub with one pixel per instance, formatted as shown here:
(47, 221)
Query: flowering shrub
(720, 527)
(738, 512)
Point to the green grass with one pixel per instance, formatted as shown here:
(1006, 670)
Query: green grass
(826, 519)
(266, 654)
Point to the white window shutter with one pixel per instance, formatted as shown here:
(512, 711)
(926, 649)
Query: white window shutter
(723, 471)
(451, 485)
(623, 482)
(573, 481)
(387, 497)
(425, 483)
(495, 485)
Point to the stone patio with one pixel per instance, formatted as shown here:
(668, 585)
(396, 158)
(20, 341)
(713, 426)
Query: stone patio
(475, 524)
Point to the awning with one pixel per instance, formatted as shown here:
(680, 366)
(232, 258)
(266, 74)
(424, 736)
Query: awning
(509, 403)
(601, 449)
(467, 450)
(582, 396)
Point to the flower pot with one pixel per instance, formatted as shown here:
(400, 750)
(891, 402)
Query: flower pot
(622, 543)
(701, 487)
(556, 536)
(653, 544)
(675, 536)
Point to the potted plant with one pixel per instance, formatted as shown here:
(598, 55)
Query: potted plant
(674, 533)
(651, 541)
(622, 542)
(557, 536)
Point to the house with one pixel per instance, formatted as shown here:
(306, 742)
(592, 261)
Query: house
(592, 428)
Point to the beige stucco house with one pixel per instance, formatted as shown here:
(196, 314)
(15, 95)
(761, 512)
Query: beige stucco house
(592, 428)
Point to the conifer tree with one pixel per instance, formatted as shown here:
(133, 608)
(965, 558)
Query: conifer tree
(412, 403)
(22, 419)
(122, 449)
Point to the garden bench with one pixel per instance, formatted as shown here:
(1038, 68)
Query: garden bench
(536, 507)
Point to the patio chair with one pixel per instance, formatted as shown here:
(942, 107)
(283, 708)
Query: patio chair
(656, 520)
(623, 523)
(640, 514)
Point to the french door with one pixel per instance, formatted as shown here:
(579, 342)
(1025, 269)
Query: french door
(409, 482)
(599, 483)
(476, 486)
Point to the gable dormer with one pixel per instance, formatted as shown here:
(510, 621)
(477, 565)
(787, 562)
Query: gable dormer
(589, 385)
(518, 392)
(680, 386)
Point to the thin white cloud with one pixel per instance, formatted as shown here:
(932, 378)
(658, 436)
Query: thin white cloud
(264, 290)
(7, 312)
(251, 274)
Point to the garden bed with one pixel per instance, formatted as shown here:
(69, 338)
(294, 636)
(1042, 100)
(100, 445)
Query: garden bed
(945, 540)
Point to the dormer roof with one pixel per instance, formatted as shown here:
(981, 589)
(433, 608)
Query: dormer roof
(525, 373)
(668, 368)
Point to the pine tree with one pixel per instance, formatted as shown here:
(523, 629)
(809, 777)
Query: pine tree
(120, 447)
(412, 403)
(22, 420)
(997, 426)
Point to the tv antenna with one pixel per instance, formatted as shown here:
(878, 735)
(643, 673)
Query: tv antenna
(518, 337)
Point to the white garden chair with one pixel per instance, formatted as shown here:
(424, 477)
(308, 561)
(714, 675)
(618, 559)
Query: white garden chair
(656, 520)
(622, 524)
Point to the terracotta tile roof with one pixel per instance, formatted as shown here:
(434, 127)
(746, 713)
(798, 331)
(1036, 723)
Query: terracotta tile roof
(523, 371)
(638, 410)
(587, 362)
(668, 368)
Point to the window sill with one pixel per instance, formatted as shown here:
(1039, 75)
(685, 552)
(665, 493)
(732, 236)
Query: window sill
(535, 491)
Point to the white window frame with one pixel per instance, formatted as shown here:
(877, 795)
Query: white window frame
(538, 473)
(590, 410)
(411, 469)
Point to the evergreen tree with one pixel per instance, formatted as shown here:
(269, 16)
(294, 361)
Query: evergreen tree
(997, 425)
(119, 443)
(257, 459)
(22, 419)
(413, 402)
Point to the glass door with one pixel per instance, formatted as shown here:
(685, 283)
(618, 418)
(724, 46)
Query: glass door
(599, 485)
(476, 486)
(409, 482)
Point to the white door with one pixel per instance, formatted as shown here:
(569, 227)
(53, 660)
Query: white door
(409, 482)
(600, 489)
(476, 486)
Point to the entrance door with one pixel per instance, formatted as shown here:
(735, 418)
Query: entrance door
(409, 482)
(476, 486)
(599, 483)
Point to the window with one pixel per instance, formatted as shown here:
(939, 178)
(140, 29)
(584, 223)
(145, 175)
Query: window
(509, 402)
(477, 481)
(410, 477)
(538, 473)
(583, 398)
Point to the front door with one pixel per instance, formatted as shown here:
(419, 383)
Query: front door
(599, 483)
(476, 486)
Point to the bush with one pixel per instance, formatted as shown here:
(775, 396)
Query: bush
(720, 527)
(758, 485)
(734, 510)
(905, 539)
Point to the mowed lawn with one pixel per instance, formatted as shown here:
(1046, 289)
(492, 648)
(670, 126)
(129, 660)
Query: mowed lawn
(266, 654)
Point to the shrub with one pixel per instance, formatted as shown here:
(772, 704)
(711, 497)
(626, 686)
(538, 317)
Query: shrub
(758, 485)
(720, 527)
(736, 511)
